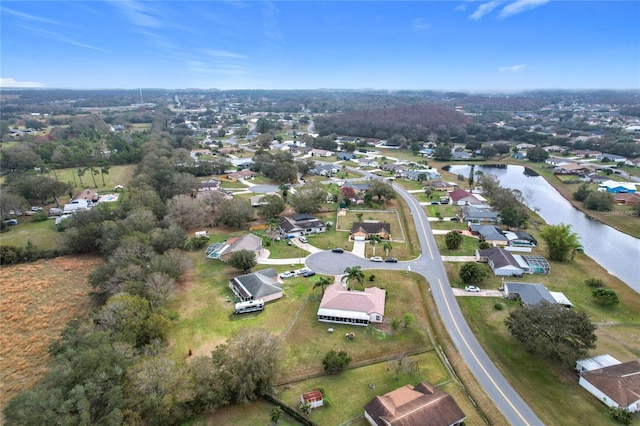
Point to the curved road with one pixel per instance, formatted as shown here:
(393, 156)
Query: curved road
(429, 264)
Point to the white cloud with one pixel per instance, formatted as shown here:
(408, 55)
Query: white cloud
(28, 17)
(460, 8)
(270, 23)
(484, 9)
(520, 6)
(514, 68)
(10, 82)
(419, 24)
(223, 54)
(138, 13)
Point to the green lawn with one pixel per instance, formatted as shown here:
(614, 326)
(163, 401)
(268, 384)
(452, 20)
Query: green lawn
(118, 175)
(41, 234)
(467, 248)
(308, 339)
(257, 413)
(348, 392)
(550, 389)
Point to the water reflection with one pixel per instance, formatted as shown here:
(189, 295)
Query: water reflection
(617, 252)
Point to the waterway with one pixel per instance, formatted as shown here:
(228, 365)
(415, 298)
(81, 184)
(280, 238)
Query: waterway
(616, 251)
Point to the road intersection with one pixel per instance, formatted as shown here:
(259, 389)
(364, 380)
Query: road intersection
(429, 264)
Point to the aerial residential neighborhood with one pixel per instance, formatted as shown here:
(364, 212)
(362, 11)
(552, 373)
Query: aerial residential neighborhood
(320, 213)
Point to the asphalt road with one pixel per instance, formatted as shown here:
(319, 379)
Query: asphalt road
(429, 264)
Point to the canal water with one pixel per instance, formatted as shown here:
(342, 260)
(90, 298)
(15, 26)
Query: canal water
(616, 251)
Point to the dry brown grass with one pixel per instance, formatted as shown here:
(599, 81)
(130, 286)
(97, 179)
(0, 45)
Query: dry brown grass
(37, 300)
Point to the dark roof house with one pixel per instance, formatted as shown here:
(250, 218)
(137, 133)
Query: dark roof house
(422, 405)
(262, 284)
(301, 224)
(364, 229)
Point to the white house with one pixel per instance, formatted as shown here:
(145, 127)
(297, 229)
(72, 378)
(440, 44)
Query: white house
(616, 385)
(343, 306)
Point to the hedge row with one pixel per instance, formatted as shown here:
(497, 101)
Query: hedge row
(10, 255)
(290, 411)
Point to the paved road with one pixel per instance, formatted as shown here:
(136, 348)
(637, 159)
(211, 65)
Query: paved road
(429, 264)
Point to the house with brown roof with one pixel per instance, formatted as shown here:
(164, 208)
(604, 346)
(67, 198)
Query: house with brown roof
(626, 199)
(87, 194)
(460, 197)
(441, 185)
(616, 385)
(242, 174)
(343, 306)
(360, 231)
(421, 405)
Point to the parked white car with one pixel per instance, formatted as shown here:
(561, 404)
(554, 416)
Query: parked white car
(377, 259)
(287, 274)
(302, 239)
(472, 288)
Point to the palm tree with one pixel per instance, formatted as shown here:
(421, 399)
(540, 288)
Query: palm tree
(374, 239)
(354, 273)
(272, 226)
(322, 283)
(387, 246)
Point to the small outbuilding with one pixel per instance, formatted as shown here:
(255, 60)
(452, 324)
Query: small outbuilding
(314, 398)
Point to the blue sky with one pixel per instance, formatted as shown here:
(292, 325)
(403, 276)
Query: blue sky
(437, 45)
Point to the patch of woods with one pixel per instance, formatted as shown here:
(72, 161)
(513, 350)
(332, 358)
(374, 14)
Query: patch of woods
(115, 367)
(410, 121)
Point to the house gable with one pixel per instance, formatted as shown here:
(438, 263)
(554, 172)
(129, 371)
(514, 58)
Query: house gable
(617, 385)
(262, 284)
(422, 405)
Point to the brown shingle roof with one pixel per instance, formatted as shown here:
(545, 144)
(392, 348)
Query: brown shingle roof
(619, 382)
(422, 405)
(371, 227)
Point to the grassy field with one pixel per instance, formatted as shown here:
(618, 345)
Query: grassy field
(467, 248)
(349, 391)
(41, 234)
(118, 175)
(550, 389)
(308, 340)
(37, 301)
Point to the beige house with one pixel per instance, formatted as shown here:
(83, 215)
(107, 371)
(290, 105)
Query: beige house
(343, 306)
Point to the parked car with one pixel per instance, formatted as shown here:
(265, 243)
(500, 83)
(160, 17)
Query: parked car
(435, 203)
(338, 250)
(302, 239)
(376, 259)
(301, 271)
(391, 260)
(472, 288)
(309, 273)
(455, 218)
(287, 274)
(11, 222)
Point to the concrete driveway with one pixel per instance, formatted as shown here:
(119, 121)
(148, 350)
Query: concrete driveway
(358, 248)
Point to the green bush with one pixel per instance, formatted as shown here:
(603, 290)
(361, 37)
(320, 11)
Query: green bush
(198, 242)
(372, 278)
(594, 282)
(498, 306)
(620, 415)
(39, 216)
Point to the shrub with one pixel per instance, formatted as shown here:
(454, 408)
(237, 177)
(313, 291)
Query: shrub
(498, 306)
(594, 282)
(372, 278)
(620, 415)
(198, 242)
(39, 216)
(267, 243)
